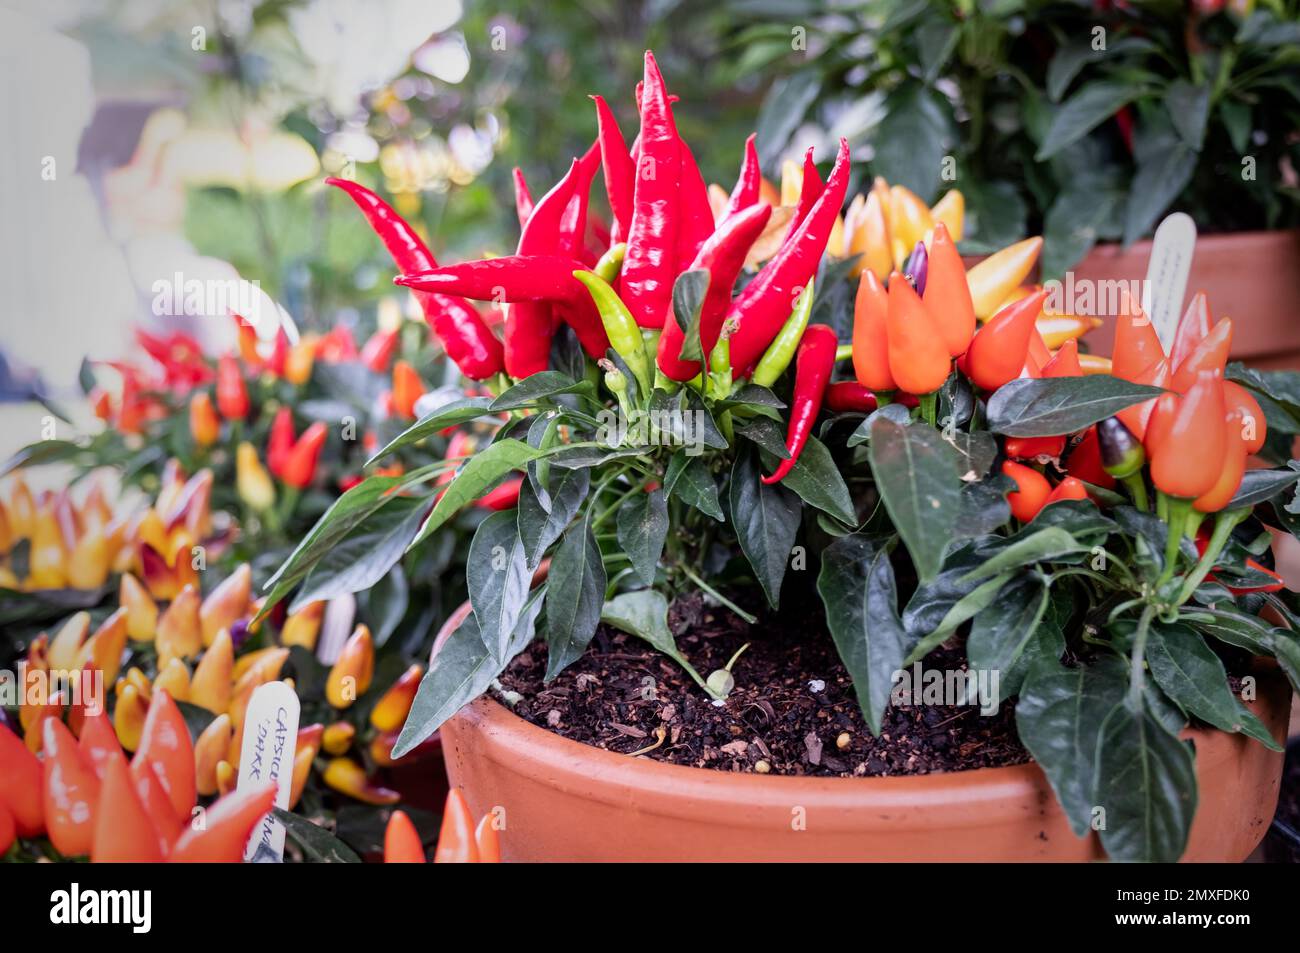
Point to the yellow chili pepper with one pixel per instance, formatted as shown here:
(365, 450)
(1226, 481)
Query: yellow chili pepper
(1000, 274)
(352, 673)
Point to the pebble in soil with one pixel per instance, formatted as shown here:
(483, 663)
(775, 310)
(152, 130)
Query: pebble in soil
(792, 711)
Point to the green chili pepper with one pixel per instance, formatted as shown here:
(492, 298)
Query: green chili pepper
(623, 332)
(781, 351)
(720, 377)
(611, 263)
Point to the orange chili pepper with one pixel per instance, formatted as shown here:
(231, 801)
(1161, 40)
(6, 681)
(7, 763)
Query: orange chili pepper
(123, 831)
(402, 843)
(947, 296)
(71, 792)
(456, 843)
(1068, 489)
(487, 841)
(98, 742)
(165, 742)
(1232, 468)
(871, 334)
(21, 784)
(1237, 398)
(1137, 416)
(230, 821)
(232, 395)
(205, 426)
(1137, 346)
(407, 389)
(918, 358)
(1192, 329)
(1211, 354)
(997, 354)
(1186, 462)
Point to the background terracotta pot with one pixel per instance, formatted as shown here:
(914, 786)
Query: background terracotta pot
(1251, 277)
(566, 801)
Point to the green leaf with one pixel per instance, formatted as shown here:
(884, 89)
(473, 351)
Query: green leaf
(479, 472)
(642, 530)
(1083, 112)
(1000, 632)
(857, 587)
(537, 387)
(917, 131)
(976, 451)
(935, 41)
(917, 476)
(1237, 120)
(688, 298)
(1287, 652)
(1258, 486)
(1189, 673)
(1146, 784)
(1160, 178)
(365, 555)
(1188, 105)
(688, 478)
(817, 480)
(1234, 628)
(1058, 716)
(539, 527)
(766, 433)
(1048, 407)
(766, 519)
(318, 845)
(448, 415)
(895, 412)
(462, 670)
(644, 613)
(42, 453)
(752, 397)
(783, 109)
(1074, 223)
(498, 578)
(1044, 544)
(574, 596)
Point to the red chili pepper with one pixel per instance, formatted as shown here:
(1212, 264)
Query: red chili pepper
(378, 352)
(279, 359)
(1137, 346)
(649, 268)
(1187, 460)
(761, 309)
(523, 198)
(21, 784)
(464, 334)
(573, 224)
(456, 843)
(947, 295)
(850, 397)
(1192, 329)
(871, 334)
(1030, 448)
(813, 365)
(1237, 398)
(1068, 489)
(1203, 541)
(1085, 462)
(620, 169)
(503, 497)
(918, 358)
(1210, 355)
(300, 462)
(337, 346)
(232, 395)
(71, 791)
(749, 182)
(722, 255)
(279, 442)
(1160, 421)
(1031, 492)
(810, 190)
(230, 821)
(997, 353)
(695, 214)
(123, 831)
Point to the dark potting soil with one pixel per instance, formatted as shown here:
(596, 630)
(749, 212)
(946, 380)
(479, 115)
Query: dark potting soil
(792, 710)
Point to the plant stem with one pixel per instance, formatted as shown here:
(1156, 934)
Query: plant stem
(1223, 527)
(1178, 508)
(929, 406)
(1139, 655)
(1138, 488)
(690, 574)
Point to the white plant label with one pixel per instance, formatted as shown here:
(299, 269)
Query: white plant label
(1167, 274)
(270, 740)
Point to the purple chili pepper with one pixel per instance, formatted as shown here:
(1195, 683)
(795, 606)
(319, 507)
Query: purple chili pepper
(918, 266)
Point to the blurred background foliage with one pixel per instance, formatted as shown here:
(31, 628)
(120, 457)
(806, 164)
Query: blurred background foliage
(251, 104)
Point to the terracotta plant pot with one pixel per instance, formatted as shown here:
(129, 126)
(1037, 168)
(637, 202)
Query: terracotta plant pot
(1251, 277)
(566, 801)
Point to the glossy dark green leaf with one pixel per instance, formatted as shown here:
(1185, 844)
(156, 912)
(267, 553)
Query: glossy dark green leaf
(766, 433)
(539, 526)
(575, 593)
(857, 587)
(365, 555)
(766, 519)
(537, 387)
(1235, 628)
(1047, 407)
(498, 578)
(642, 529)
(1160, 179)
(1189, 673)
(895, 412)
(1188, 105)
(688, 478)
(318, 845)
(912, 139)
(643, 613)
(1146, 784)
(478, 473)
(1048, 543)
(817, 480)
(1058, 716)
(688, 297)
(1000, 631)
(1092, 105)
(1257, 486)
(916, 473)
(448, 415)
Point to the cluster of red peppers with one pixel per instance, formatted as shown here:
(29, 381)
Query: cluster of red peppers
(90, 801)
